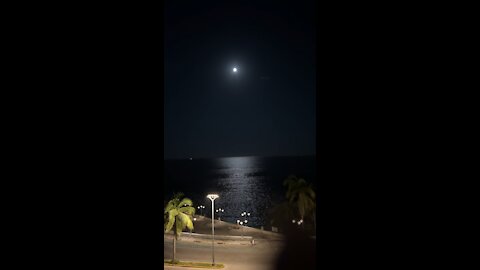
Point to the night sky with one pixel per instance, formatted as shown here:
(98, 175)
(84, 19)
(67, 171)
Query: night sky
(267, 108)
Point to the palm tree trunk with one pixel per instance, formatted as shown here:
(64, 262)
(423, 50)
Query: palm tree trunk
(174, 249)
(314, 224)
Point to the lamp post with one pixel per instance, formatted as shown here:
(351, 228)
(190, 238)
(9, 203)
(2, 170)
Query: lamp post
(212, 197)
(245, 214)
(201, 207)
(298, 222)
(220, 211)
(244, 222)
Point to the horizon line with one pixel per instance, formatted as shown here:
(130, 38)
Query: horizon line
(256, 156)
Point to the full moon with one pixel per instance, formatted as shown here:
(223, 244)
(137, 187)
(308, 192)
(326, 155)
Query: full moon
(234, 69)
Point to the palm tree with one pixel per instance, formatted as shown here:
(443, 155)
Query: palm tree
(281, 214)
(301, 194)
(178, 213)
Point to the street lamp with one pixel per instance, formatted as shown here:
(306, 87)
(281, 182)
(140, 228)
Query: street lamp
(220, 211)
(244, 224)
(245, 221)
(241, 230)
(212, 197)
(194, 219)
(298, 223)
(245, 214)
(201, 207)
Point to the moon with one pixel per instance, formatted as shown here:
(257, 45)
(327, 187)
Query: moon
(234, 69)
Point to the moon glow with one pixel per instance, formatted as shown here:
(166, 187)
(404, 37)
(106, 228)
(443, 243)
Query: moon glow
(234, 69)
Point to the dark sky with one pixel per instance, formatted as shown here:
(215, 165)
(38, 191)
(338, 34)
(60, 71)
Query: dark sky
(268, 107)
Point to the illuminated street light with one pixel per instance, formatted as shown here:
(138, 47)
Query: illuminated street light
(245, 214)
(220, 211)
(298, 222)
(245, 221)
(212, 197)
(244, 224)
(201, 207)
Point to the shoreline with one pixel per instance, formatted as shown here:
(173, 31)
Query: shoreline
(203, 225)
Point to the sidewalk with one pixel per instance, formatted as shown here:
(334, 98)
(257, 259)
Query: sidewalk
(207, 238)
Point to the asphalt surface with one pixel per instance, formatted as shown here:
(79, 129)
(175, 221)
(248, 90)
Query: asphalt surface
(261, 256)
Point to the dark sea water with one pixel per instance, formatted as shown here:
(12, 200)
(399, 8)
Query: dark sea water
(251, 184)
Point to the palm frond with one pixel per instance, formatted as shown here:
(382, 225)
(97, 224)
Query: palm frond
(177, 214)
(186, 221)
(291, 179)
(301, 182)
(171, 219)
(187, 210)
(301, 204)
(171, 205)
(185, 202)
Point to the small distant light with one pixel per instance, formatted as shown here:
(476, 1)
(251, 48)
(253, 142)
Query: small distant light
(241, 223)
(248, 214)
(194, 219)
(293, 221)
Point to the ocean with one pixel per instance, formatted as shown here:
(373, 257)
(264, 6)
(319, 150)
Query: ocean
(250, 184)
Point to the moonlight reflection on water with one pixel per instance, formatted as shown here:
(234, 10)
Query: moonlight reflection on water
(244, 190)
(249, 184)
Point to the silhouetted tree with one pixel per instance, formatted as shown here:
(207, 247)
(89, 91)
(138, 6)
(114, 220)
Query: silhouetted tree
(301, 194)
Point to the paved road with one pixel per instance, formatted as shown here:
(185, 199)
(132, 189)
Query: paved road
(235, 257)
